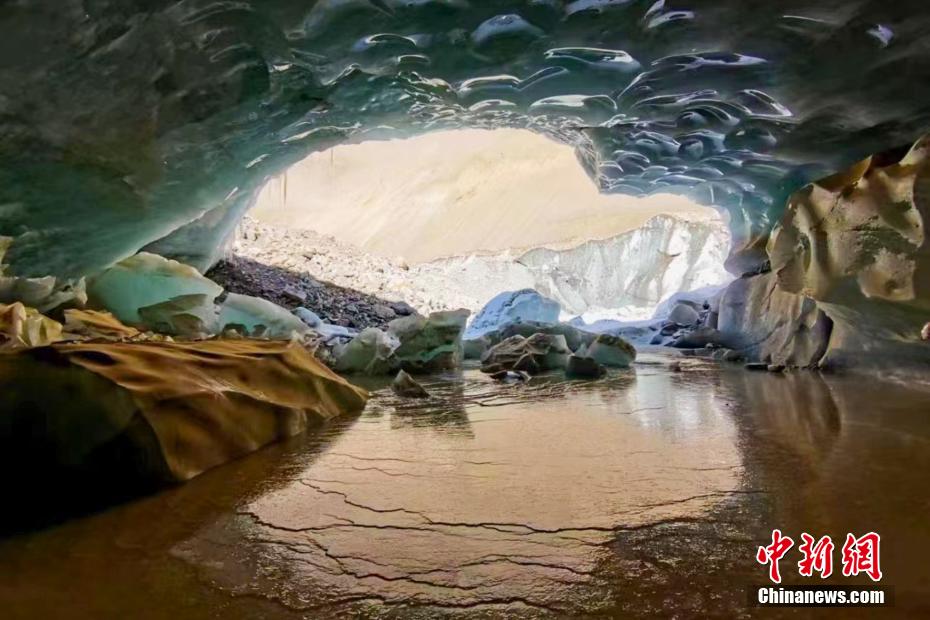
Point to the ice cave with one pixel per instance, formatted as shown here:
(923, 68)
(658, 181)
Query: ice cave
(463, 308)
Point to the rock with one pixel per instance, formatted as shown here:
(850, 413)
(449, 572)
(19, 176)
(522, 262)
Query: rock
(700, 337)
(158, 411)
(309, 317)
(539, 352)
(528, 364)
(474, 349)
(404, 385)
(853, 246)
(696, 299)
(771, 325)
(430, 344)
(384, 311)
(658, 339)
(510, 375)
(402, 308)
(22, 327)
(612, 351)
(260, 317)
(584, 368)
(371, 352)
(575, 338)
(146, 280)
(294, 294)
(683, 314)
(756, 366)
(776, 368)
(513, 307)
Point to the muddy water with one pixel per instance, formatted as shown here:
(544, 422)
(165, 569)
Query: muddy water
(646, 493)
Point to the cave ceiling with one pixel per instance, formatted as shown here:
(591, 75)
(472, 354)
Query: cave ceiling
(131, 124)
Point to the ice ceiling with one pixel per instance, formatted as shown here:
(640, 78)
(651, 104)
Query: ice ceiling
(152, 123)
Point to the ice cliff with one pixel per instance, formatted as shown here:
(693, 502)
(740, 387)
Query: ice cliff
(628, 275)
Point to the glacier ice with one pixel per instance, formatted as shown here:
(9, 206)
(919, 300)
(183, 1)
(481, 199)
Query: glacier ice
(513, 307)
(146, 280)
(258, 317)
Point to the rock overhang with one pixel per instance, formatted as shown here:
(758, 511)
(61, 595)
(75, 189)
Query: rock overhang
(131, 125)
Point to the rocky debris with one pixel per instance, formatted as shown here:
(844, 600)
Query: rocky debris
(332, 304)
(538, 353)
(429, 344)
(404, 385)
(371, 352)
(513, 307)
(164, 411)
(584, 368)
(611, 351)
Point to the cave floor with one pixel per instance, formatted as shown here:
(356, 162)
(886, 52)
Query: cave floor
(646, 493)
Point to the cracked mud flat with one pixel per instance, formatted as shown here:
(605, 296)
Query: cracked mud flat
(643, 494)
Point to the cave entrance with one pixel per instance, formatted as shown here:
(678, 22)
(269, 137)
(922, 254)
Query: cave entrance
(450, 219)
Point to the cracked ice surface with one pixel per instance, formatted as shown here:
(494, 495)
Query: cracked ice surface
(482, 497)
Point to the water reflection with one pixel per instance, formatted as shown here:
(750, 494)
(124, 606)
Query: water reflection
(646, 493)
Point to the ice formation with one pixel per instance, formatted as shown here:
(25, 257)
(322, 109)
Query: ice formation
(163, 145)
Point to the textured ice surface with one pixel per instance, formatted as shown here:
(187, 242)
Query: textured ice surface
(513, 307)
(146, 280)
(627, 275)
(260, 317)
(127, 123)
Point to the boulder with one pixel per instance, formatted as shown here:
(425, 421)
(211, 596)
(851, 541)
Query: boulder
(146, 280)
(513, 307)
(310, 318)
(475, 348)
(771, 325)
(584, 368)
(612, 351)
(539, 352)
(159, 412)
(429, 344)
(575, 338)
(371, 353)
(684, 314)
(404, 385)
(700, 337)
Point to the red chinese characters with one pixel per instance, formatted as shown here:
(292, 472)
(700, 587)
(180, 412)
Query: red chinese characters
(773, 553)
(817, 556)
(860, 555)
